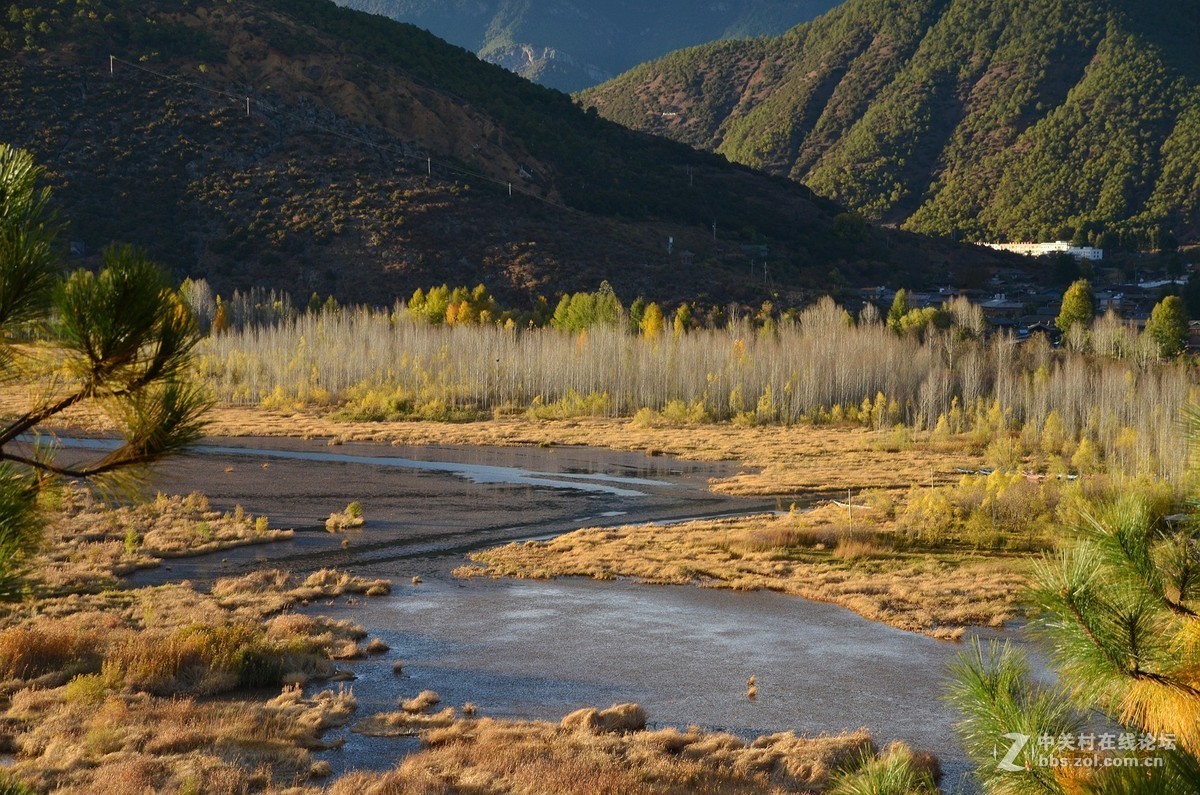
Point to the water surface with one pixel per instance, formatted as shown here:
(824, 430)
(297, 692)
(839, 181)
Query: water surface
(540, 649)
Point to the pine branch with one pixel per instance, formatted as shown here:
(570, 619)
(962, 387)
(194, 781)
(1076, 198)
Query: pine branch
(38, 416)
(43, 466)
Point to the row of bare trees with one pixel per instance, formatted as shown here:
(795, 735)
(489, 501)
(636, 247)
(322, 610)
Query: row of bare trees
(818, 365)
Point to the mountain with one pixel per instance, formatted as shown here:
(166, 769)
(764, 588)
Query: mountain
(571, 45)
(979, 119)
(293, 144)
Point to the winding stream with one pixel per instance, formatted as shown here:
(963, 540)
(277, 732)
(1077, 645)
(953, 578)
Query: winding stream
(540, 649)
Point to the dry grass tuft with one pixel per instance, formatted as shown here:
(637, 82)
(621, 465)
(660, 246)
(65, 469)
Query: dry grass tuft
(404, 724)
(348, 519)
(617, 718)
(88, 543)
(849, 548)
(256, 582)
(422, 703)
(283, 590)
(28, 652)
(519, 757)
(331, 582)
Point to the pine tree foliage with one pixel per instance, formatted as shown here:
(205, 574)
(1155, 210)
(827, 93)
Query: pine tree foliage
(117, 342)
(1116, 610)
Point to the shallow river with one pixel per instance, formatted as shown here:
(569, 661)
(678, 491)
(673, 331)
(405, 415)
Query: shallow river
(536, 649)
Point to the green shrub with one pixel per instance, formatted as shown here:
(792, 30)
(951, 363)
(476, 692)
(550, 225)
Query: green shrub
(86, 689)
(896, 771)
(11, 785)
(258, 667)
(571, 405)
(132, 541)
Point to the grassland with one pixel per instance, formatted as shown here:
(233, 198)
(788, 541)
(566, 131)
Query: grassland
(610, 751)
(929, 550)
(157, 689)
(812, 554)
(934, 552)
(112, 691)
(105, 689)
(89, 544)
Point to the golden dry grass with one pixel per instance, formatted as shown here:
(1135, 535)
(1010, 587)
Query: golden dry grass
(134, 742)
(91, 676)
(348, 519)
(89, 543)
(100, 687)
(610, 753)
(176, 639)
(617, 718)
(811, 554)
(404, 723)
(422, 702)
(66, 737)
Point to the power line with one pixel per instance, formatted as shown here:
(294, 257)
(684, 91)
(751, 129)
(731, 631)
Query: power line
(279, 110)
(429, 163)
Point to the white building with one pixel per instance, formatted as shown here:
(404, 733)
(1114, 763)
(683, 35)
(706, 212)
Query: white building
(1057, 247)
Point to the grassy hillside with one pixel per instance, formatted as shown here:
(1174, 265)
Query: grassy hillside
(376, 158)
(981, 119)
(570, 46)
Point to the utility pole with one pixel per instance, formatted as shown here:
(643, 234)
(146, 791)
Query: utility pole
(714, 231)
(247, 107)
(112, 65)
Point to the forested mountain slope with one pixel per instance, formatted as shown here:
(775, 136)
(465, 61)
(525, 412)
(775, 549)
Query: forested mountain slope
(984, 119)
(297, 145)
(570, 45)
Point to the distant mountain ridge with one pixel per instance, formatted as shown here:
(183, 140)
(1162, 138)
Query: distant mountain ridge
(570, 45)
(372, 158)
(977, 119)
